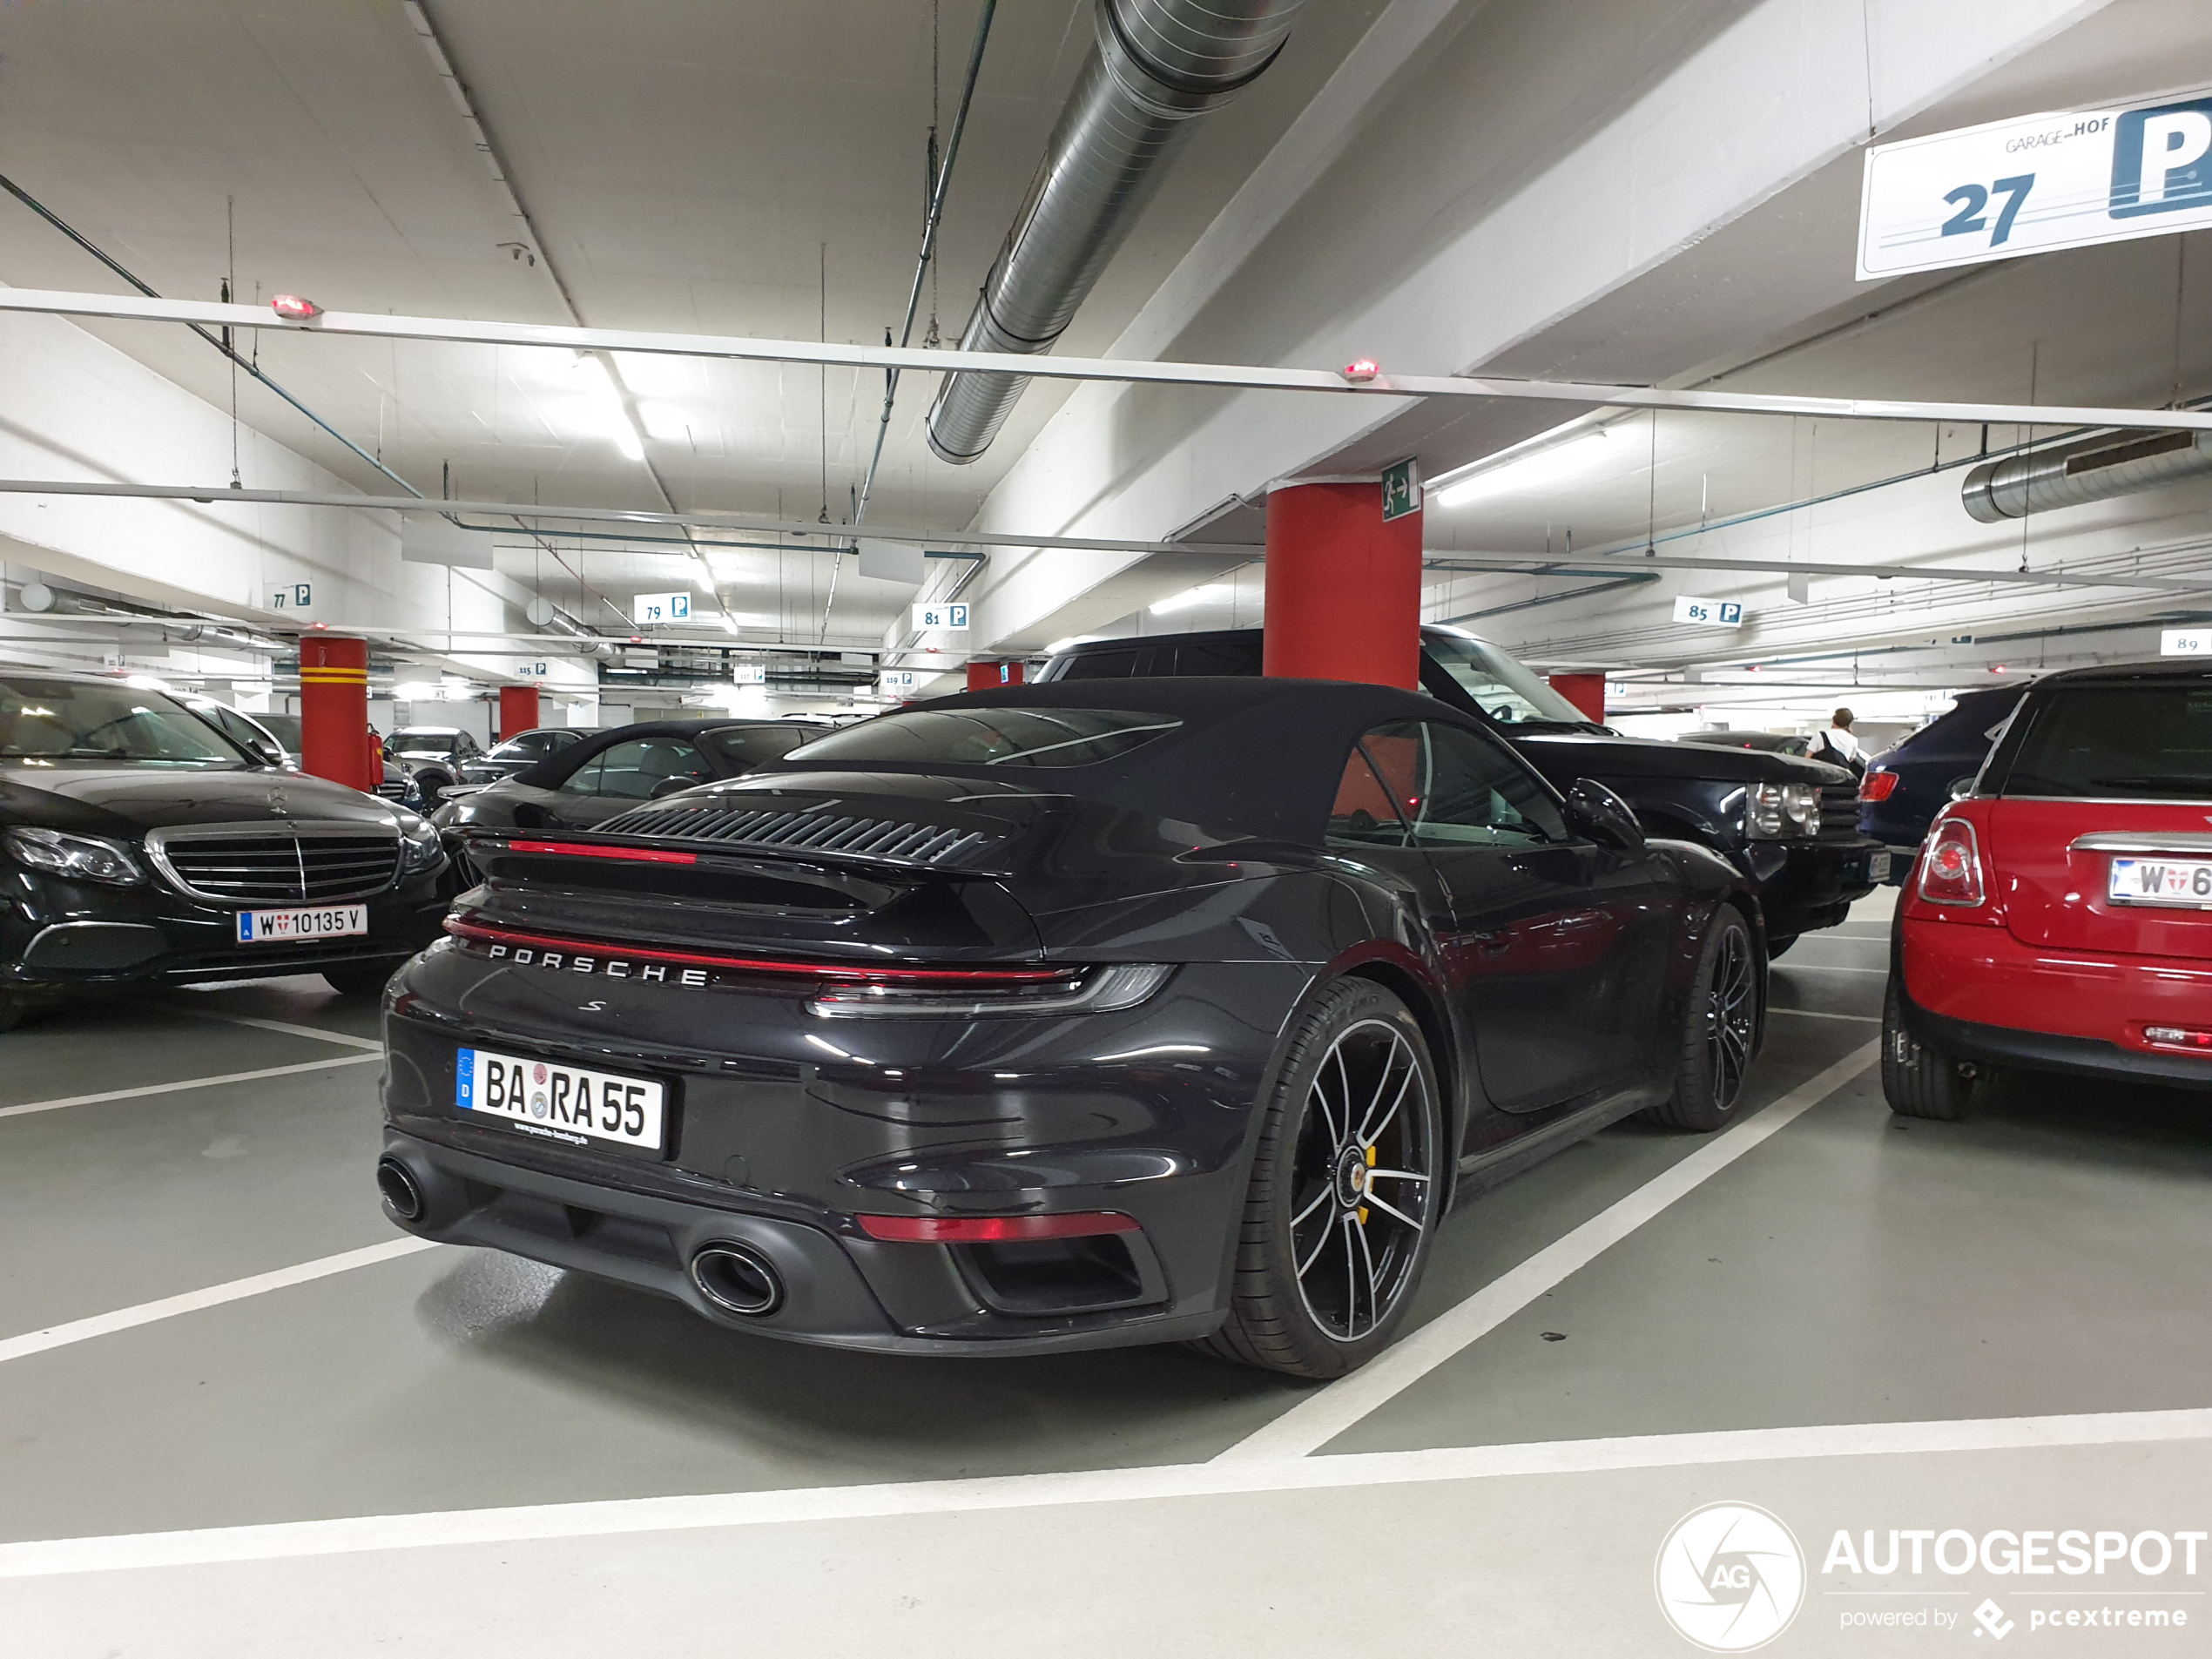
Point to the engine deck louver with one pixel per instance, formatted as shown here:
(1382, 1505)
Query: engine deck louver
(887, 840)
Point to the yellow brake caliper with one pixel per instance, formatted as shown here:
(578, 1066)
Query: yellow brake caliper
(1363, 1208)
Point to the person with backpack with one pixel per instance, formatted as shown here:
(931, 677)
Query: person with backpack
(1838, 747)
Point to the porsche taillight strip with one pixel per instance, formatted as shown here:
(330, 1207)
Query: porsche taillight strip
(577, 850)
(993, 1230)
(842, 972)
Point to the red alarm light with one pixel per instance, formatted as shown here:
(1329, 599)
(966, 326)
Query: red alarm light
(293, 308)
(1364, 369)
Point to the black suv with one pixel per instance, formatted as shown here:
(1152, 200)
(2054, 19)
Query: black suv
(1789, 824)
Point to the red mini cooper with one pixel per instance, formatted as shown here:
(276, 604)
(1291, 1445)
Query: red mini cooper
(2060, 916)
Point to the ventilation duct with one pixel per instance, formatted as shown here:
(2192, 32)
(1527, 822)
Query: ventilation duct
(2097, 469)
(1157, 65)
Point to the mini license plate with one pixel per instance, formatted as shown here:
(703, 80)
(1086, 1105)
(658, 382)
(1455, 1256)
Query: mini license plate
(1878, 865)
(2183, 884)
(292, 927)
(564, 1103)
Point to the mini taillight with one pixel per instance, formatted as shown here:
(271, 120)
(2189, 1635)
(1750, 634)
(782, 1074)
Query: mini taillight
(992, 1230)
(1950, 864)
(1877, 785)
(2178, 1036)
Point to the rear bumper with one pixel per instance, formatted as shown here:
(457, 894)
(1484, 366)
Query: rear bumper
(1976, 993)
(837, 1289)
(783, 1127)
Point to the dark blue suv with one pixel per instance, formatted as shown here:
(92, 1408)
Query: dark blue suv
(1906, 787)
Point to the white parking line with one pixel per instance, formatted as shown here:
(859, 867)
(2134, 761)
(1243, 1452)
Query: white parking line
(101, 1324)
(290, 1029)
(1823, 1013)
(30, 1107)
(1321, 1417)
(1825, 967)
(293, 1539)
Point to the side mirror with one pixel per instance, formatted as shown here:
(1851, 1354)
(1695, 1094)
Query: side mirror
(1595, 811)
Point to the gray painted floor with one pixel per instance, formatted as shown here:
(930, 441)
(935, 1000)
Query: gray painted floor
(2045, 1258)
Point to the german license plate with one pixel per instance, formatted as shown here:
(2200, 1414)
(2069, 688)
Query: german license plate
(564, 1103)
(294, 927)
(2181, 883)
(1878, 865)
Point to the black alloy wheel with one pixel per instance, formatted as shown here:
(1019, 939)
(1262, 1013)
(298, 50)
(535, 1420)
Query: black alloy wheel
(1348, 1188)
(1721, 1033)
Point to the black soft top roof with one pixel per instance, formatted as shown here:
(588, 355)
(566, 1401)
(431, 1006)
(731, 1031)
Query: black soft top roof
(1258, 758)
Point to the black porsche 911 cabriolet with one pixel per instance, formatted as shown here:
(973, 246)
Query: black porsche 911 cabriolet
(1061, 1016)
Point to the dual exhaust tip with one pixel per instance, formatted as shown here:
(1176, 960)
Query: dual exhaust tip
(736, 1277)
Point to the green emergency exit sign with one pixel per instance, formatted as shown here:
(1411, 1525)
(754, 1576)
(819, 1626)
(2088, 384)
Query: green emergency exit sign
(1401, 490)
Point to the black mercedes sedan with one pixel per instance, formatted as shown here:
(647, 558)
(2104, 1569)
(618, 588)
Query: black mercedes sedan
(140, 844)
(1061, 1016)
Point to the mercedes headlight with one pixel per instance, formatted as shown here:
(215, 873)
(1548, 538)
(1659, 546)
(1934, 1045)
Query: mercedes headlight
(420, 847)
(1774, 812)
(75, 858)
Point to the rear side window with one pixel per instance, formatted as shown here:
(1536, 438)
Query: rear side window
(1215, 656)
(740, 748)
(631, 771)
(1002, 737)
(1362, 813)
(1458, 789)
(2127, 742)
(1101, 665)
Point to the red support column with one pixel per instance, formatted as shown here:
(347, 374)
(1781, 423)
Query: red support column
(517, 710)
(983, 675)
(1344, 588)
(334, 709)
(1585, 691)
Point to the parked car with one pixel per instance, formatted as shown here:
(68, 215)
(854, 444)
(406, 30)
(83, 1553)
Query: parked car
(140, 844)
(1773, 743)
(2060, 916)
(285, 728)
(581, 783)
(1062, 1016)
(1908, 784)
(1788, 824)
(520, 753)
(428, 759)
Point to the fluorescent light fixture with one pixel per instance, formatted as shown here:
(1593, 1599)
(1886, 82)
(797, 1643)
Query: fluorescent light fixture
(613, 413)
(1526, 470)
(1210, 593)
(666, 422)
(416, 692)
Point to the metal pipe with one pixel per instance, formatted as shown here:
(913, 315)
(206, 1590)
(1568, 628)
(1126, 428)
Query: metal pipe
(938, 187)
(377, 325)
(1154, 67)
(2075, 474)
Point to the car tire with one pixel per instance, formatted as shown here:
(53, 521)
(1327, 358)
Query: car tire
(1780, 947)
(1347, 1189)
(367, 980)
(430, 786)
(1916, 1081)
(1721, 1032)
